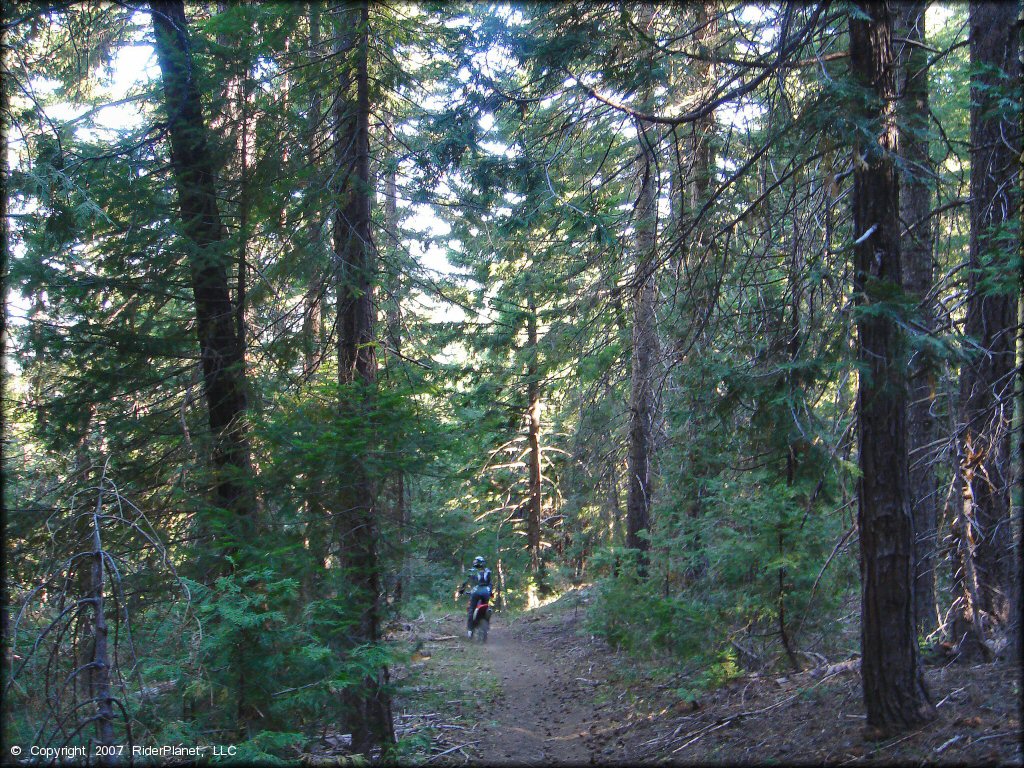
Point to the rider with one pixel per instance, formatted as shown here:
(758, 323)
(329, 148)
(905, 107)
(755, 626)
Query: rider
(480, 579)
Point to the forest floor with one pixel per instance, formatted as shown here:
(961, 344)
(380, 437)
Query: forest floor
(543, 691)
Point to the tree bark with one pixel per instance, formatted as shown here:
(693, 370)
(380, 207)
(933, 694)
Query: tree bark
(894, 691)
(99, 674)
(393, 316)
(644, 352)
(233, 124)
(221, 353)
(355, 535)
(695, 271)
(6, 718)
(612, 507)
(312, 306)
(242, 265)
(208, 257)
(916, 248)
(986, 383)
(703, 127)
(317, 538)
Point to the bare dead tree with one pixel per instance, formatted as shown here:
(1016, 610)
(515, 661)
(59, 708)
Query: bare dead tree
(76, 624)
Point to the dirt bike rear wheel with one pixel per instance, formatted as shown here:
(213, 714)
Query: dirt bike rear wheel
(482, 627)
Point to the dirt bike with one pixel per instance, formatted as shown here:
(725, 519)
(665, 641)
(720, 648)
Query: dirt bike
(481, 618)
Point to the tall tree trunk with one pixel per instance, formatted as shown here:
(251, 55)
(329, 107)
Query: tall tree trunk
(99, 674)
(220, 352)
(612, 508)
(987, 379)
(5, 619)
(317, 540)
(533, 415)
(894, 689)
(393, 316)
(242, 259)
(312, 306)
(355, 534)
(703, 128)
(311, 323)
(916, 248)
(84, 471)
(694, 266)
(644, 352)
(232, 123)
(795, 442)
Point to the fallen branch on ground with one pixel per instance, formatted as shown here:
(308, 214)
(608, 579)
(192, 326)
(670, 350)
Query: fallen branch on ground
(453, 749)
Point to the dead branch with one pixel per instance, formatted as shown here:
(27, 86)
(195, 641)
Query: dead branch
(452, 749)
(75, 672)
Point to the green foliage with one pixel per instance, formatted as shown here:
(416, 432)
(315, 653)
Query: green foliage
(761, 554)
(530, 184)
(252, 649)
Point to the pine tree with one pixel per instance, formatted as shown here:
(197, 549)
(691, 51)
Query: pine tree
(916, 182)
(220, 349)
(894, 689)
(356, 526)
(986, 382)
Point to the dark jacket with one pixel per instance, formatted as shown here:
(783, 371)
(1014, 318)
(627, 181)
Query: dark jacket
(480, 580)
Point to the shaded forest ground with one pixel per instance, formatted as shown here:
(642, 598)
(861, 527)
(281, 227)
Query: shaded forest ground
(545, 691)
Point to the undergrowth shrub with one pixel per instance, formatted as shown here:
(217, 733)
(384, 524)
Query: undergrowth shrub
(767, 560)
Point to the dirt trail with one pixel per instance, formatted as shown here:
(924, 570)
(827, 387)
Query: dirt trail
(544, 695)
(546, 713)
(542, 692)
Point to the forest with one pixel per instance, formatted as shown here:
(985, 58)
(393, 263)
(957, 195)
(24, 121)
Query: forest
(698, 322)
